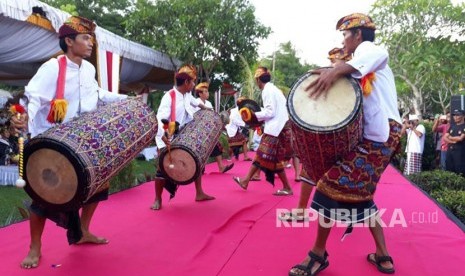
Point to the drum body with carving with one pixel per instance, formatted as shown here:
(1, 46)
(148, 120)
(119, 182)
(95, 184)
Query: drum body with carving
(326, 128)
(190, 150)
(71, 162)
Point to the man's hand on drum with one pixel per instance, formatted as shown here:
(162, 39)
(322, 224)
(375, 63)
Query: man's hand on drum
(321, 86)
(19, 124)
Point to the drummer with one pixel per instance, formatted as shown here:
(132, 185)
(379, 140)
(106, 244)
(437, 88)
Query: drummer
(349, 186)
(183, 112)
(275, 145)
(202, 97)
(335, 56)
(79, 95)
(236, 137)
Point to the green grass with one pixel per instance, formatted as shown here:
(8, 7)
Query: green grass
(137, 172)
(10, 199)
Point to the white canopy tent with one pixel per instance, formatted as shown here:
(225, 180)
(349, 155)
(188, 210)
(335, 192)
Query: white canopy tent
(27, 40)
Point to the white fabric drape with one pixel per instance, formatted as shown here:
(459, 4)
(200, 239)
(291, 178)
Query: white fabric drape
(25, 45)
(33, 45)
(108, 41)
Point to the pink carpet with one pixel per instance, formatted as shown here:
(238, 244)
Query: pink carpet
(238, 234)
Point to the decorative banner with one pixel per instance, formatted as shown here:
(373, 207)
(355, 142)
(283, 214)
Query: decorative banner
(108, 68)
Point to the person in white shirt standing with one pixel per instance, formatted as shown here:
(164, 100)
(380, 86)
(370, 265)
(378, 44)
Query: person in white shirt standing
(178, 105)
(81, 94)
(415, 144)
(346, 191)
(202, 93)
(275, 145)
(236, 138)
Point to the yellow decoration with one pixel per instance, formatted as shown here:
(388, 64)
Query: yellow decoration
(20, 183)
(58, 110)
(171, 128)
(40, 21)
(367, 83)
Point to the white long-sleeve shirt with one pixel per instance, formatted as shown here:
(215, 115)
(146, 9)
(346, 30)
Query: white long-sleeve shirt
(81, 92)
(185, 109)
(235, 121)
(274, 111)
(381, 104)
(207, 104)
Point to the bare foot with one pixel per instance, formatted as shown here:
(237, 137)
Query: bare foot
(156, 205)
(32, 259)
(88, 237)
(204, 197)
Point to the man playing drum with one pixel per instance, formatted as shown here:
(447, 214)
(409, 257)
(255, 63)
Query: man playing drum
(80, 94)
(182, 110)
(236, 137)
(275, 144)
(335, 56)
(202, 93)
(351, 183)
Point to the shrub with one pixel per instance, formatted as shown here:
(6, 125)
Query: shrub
(446, 187)
(453, 200)
(436, 180)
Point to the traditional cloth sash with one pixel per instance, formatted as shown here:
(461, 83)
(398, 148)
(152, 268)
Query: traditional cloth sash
(59, 106)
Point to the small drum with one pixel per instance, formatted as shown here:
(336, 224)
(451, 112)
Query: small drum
(71, 162)
(190, 150)
(325, 129)
(253, 107)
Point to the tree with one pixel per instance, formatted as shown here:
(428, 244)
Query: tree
(108, 14)
(208, 33)
(426, 55)
(286, 67)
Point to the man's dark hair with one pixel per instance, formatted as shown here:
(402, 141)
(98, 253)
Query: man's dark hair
(265, 78)
(367, 33)
(181, 81)
(63, 45)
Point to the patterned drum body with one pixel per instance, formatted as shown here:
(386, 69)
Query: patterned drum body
(191, 148)
(71, 162)
(325, 129)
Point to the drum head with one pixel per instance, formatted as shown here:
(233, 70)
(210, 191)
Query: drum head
(340, 107)
(182, 169)
(52, 176)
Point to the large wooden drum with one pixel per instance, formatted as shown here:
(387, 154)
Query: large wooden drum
(190, 150)
(71, 162)
(325, 129)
